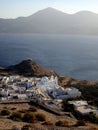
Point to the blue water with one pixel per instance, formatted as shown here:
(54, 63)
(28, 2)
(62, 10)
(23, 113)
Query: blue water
(71, 55)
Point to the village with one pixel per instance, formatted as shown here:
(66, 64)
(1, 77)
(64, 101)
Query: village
(43, 90)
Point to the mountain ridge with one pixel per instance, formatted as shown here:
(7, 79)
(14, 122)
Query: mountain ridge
(52, 21)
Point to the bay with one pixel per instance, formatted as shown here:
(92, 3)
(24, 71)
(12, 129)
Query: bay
(75, 56)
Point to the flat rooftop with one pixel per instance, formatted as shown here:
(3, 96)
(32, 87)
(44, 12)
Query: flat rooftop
(78, 103)
(85, 109)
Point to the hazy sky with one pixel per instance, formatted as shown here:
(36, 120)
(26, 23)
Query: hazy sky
(16, 8)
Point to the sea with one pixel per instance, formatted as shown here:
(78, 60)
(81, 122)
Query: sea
(74, 56)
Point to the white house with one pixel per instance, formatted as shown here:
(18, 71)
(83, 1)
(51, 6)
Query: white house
(22, 96)
(78, 103)
(3, 99)
(68, 93)
(45, 81)
(19, 96)
(83, 108)
(4, 92)
(73, 92)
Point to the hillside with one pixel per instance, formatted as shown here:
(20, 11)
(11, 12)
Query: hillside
(29, 68)
(52, 21)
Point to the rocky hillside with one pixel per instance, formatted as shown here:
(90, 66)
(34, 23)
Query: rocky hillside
(89, 89)
(27, 68)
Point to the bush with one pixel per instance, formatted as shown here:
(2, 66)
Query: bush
(33, 109)
(93, 128)
(5, 108)
(15, 128)
(27, 127)
(16, 116)
(91, 117)
(80, 123)
(40, 117)
(23, 111)
(48, 123)
(5, 112)
(62, 123)
(13, 108)
(29, 117)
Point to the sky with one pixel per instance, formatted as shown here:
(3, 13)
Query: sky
(17, 8)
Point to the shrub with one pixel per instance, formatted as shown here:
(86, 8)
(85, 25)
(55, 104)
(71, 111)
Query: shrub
(33, 109)
(80, 123)
(93, 128)
(5, 108)
(91, 117)
(27, 127)
(13, 108)
(15, 128)
(48, 123)
(23, 111)
(16, 116)
(29, 117)
(40, 117)
(62, 123)
(67, 107)
(5, 112)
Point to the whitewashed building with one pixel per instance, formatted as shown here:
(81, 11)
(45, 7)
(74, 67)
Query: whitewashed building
(83, 108)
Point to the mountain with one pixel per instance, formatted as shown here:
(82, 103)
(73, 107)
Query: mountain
(52, 21)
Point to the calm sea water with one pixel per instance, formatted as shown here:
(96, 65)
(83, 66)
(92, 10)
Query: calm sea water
(70, 55)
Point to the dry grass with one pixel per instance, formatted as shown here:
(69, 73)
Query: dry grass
(80, 123)
(5, 112)
(29, 117)
(16, 116)
(40, 117)
(25, 108)
(33, 109)
(63, 123)
(50, 123)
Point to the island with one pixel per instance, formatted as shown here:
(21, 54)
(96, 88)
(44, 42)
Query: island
(44, 89)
